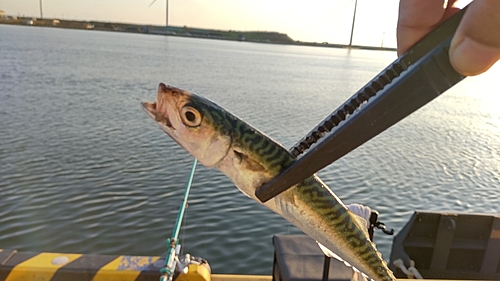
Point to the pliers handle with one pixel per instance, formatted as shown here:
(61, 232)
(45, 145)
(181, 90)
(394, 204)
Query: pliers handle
(411, 81)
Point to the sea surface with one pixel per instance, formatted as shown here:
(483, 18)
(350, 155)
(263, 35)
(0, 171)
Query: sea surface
(84, 169)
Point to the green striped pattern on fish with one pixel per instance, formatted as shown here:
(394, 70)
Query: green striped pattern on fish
(338, 217)
(250, 159)
(310, 190)
(273, 155)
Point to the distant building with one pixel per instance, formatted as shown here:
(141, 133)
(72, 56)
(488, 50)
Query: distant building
(2, 14)
(56, 22)
(162, 31)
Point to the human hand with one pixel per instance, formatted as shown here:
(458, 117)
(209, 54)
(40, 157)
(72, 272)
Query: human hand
(475, 47)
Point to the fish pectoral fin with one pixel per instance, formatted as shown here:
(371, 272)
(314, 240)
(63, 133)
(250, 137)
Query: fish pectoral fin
(248, 162)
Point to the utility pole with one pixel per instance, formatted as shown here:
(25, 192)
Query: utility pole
(41, 10)
(353, 20)
(166, 24)
(167, 15)
(166, 11)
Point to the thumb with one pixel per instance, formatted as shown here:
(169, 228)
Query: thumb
(476, 44)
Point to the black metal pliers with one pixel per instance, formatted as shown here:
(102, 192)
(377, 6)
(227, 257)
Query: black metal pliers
(410, 82)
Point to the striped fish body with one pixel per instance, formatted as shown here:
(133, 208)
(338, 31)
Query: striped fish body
(250, 159)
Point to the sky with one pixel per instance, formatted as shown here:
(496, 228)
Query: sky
(311, 21)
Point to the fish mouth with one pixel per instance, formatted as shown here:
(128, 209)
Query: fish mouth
(150, 109)
(153, 109)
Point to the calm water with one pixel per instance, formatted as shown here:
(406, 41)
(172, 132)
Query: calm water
(83, 169)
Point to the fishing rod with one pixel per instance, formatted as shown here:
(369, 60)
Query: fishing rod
(174, 247)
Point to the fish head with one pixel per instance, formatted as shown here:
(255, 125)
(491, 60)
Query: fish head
(188, 120)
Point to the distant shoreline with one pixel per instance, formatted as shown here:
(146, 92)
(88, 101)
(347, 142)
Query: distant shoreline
(244, 36)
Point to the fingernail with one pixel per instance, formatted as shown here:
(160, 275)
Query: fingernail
(470, 57)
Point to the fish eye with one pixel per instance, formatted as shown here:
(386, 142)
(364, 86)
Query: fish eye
(190, 116)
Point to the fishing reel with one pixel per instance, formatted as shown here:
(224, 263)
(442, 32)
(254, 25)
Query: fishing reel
(191, 268)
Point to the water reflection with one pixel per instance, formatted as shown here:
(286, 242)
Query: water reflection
(83, 169)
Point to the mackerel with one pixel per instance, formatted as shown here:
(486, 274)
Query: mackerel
(249, 158)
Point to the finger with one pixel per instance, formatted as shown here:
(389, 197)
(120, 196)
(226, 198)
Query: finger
(416, 19)
(476, 44)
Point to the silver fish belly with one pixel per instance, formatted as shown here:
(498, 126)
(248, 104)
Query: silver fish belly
(250, 159)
